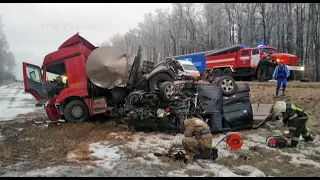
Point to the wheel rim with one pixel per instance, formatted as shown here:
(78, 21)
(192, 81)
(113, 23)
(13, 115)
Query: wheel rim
(227, 85)
(77, 112)
(158, 84)
(169, 90)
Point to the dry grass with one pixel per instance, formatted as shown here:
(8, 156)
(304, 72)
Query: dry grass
(268, 160)
(49, 146)
(314, 157)
(210, 174)
(194, 172)
(82, 155)
(165, 137)
(242, 172)
(170, 165)
(132, 152)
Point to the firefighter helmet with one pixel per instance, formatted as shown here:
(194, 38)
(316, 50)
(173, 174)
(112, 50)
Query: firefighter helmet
(279, 107)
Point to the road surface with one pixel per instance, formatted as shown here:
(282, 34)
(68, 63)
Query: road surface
(14, 101)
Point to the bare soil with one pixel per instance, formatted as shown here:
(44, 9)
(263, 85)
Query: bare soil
(304, 94)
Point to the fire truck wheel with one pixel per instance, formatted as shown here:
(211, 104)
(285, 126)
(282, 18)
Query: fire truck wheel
(227, 72)
(167, 90)
(156, 81)
(217, 72)
(76, 111)
(228, 85)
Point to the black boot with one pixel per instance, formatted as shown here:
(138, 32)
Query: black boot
(293, 144)
(308, 138)
(214, 153)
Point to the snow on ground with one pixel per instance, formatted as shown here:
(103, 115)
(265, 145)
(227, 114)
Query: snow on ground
(136, 158)
(14, 101)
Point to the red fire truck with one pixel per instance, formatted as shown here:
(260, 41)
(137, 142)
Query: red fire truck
(241, 61)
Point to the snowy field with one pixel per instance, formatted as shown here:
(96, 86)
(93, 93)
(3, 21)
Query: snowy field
(135, 158)
(14, 101)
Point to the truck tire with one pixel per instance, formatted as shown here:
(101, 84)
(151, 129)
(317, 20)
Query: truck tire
(156, 81)
(167, 90)
(217, 72)
(228, 85)
(76, 111)
(227, 72)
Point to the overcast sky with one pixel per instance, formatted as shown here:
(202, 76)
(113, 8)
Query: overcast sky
(34, 30)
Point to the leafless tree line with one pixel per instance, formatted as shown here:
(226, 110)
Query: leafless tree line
(7, 59)
(194, 27)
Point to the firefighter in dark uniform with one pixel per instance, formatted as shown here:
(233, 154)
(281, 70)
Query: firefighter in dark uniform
(295, 118)
(263, 68)
(198, 139)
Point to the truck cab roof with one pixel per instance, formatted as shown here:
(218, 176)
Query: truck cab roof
(68, 48)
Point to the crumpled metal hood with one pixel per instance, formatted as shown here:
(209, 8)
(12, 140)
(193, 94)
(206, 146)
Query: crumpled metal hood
(107, 67)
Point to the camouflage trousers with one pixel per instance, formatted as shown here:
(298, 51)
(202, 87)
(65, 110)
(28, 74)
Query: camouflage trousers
(194, 148)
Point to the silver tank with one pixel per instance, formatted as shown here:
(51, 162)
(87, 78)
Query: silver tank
(107, 67)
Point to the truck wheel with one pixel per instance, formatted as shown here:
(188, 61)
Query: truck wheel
(217, 72)
(76, 111)
(227, 72)
(156, 81)
(228, 85)
(167, 90)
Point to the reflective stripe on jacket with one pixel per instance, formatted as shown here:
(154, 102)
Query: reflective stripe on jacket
(294, 112)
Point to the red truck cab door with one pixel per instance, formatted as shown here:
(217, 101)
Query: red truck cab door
(32, 79)
(33, 84)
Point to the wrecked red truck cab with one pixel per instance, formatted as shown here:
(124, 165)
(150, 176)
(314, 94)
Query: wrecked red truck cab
(61, 78)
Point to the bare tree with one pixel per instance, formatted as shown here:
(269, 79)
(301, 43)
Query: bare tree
(193, 27)
(7, 60)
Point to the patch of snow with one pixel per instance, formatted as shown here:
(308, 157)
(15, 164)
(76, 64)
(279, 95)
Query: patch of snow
(14, 101)
(71, 156)
(1, 136)
(298, 159)
(108, 156)
(177, 173)
(62, 171)
(254, 172)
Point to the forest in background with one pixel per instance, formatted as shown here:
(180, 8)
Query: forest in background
(7, 59)
(195, 27)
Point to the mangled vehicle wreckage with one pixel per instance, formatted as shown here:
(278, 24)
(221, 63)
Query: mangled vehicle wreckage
(79, 81)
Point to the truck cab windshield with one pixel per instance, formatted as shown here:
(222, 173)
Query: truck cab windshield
(268, 50)
(56, 79)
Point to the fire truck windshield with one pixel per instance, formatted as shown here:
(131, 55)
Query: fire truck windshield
(268, 50)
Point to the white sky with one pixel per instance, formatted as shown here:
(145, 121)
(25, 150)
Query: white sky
(36, 29)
